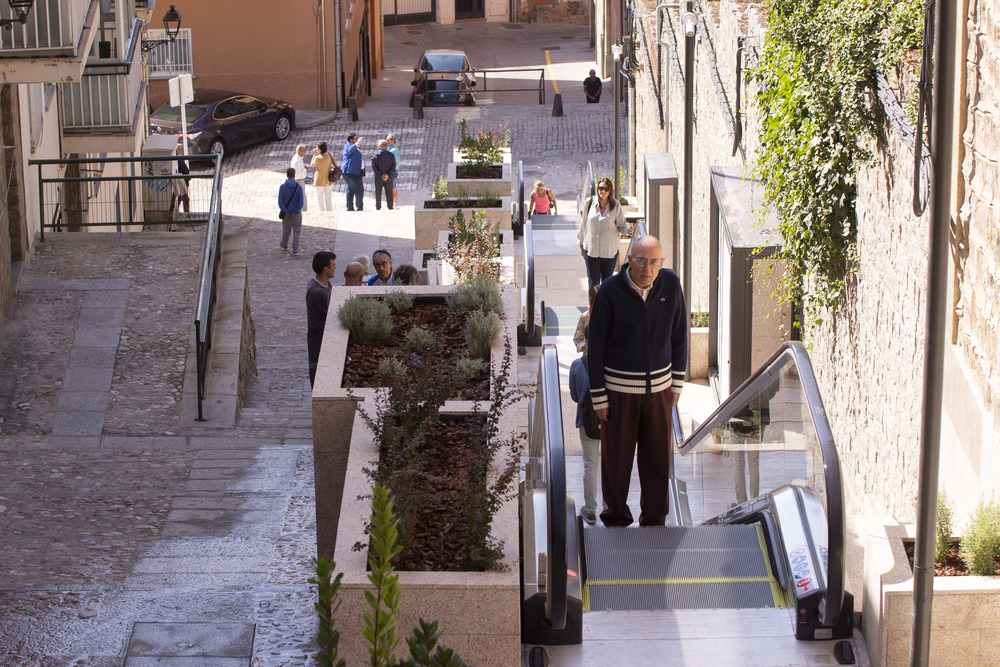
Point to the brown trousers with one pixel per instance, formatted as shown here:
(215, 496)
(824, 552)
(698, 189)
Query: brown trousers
(637, 424)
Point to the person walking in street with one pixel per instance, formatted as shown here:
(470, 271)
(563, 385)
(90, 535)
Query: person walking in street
(384, 170)
(391, 139)
(323, 162)
(637, 349)
(353, 164)
(298, 163)
(601, 229)
(290, 198)
(592, 88)
(542, 201)
(318, 292)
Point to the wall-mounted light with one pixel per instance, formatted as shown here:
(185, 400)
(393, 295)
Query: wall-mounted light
(171, 25)
(21, 8)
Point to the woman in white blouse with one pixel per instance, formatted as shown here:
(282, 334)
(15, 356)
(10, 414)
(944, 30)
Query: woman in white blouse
(602, 227)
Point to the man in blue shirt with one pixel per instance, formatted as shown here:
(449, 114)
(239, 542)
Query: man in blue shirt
(290, 199)
(382, 261)
(391, 140)
(353, 166)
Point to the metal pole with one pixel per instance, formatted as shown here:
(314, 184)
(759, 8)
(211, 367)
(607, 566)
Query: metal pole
(942, 151)
(616, 51)
(689, 37)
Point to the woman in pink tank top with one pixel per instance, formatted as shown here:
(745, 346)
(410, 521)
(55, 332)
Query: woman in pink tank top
(542, 201)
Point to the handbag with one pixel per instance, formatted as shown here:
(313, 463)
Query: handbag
(281, 215)
(335, 174)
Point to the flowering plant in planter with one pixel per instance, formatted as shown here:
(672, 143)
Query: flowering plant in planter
(450, 473)
(473, 247)
(482, 150)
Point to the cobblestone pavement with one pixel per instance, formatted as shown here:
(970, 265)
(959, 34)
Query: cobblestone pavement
(113, 511)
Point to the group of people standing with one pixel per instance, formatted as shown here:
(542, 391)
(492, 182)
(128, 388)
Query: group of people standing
(292, 199)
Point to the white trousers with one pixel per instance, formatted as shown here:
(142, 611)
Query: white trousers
(325, 195)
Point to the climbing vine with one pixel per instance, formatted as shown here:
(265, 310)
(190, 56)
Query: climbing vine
(815, 77)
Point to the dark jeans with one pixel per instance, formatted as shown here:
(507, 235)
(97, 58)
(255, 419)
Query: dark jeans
(599, 269)
(314, 339)
(355, 192)
(380, 187)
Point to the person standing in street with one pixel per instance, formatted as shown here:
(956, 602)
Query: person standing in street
(592, 88)
(353, 164)
(298, 163)
(353, 274)
(599, 234)
(382, 261)
(318, 292)
(637, 349)
(384, 171)
(322, 162)
(391, 140)
(290, 198)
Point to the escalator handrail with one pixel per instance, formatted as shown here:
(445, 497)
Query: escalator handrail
(589, 188)
(764, 377)
(548, 417)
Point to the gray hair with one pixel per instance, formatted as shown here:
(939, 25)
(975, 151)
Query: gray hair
(390, 137)
(382, 143)
(300, 147)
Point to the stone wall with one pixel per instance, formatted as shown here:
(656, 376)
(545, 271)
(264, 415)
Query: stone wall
(868, 355)
(6, 276)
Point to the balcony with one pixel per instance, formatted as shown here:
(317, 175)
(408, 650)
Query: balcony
(102, 113)
(53, 44)
(171, 58)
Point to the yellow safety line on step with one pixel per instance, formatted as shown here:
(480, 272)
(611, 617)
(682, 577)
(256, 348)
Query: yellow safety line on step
(780, 596)
(680, 580)
(552, 74)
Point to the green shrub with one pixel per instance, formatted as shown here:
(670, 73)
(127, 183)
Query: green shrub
(981, 543)
(470, 367)
(440, 188)
(481, 294)
(419, 339)
(391, 367)
(367, 319)
(943, 532)
(399, 301)
(328, 586)
(481, 331)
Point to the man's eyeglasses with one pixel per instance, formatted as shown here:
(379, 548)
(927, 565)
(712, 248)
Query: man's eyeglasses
(642, 262)
(603, 188)
(381, 264)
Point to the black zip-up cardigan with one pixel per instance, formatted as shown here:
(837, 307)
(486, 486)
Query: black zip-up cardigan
(637, 347)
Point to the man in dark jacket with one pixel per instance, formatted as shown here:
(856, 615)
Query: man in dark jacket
(353, 165)
(384, 168)
(637, 346)
(290, 199)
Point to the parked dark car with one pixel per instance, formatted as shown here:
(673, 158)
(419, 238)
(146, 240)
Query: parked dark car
(219, 121)
(444, 77)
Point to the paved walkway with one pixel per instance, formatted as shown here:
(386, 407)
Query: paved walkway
(128, 533)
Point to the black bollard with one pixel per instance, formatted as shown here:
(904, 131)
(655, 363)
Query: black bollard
(418, 107)
(352, 108)
(557, 109)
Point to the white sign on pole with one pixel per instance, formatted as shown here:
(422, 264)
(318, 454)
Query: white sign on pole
(181, 93)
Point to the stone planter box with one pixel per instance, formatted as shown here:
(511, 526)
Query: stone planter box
(479, 612)
(444, 272)
(428, 222)
(698, 353)
(474, 187)
(458, 155)
(964, 612)
(334, 411)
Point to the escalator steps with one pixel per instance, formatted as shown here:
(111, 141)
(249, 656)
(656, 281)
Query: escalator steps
(701, 567)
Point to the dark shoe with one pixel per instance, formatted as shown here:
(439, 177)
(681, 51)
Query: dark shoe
(589, 516)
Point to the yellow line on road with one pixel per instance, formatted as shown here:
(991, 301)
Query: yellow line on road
(552, 75)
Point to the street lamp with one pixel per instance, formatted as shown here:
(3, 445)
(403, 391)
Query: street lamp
(616, 52)
(172, 26)
(20, 9)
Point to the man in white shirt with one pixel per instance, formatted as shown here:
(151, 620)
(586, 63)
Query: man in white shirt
(298, 163)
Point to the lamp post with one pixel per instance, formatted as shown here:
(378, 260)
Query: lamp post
(616, 51)
(690, 21)
(21, 8)
(172, 26)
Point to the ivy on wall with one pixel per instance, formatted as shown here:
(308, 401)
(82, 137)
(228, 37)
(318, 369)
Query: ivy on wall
(815, 77)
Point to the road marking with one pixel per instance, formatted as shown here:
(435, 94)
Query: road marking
(552, 75)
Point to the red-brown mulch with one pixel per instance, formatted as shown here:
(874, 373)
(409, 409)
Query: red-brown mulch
(474, 171)
(469, 202)
(448, 328)
(953, 566)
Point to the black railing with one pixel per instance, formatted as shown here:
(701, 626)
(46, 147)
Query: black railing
(429, 90)
(529, 333)
(589, 188)
(120, 192)
(208, 280)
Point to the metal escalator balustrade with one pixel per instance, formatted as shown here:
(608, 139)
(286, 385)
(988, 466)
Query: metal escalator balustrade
(767, 456)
